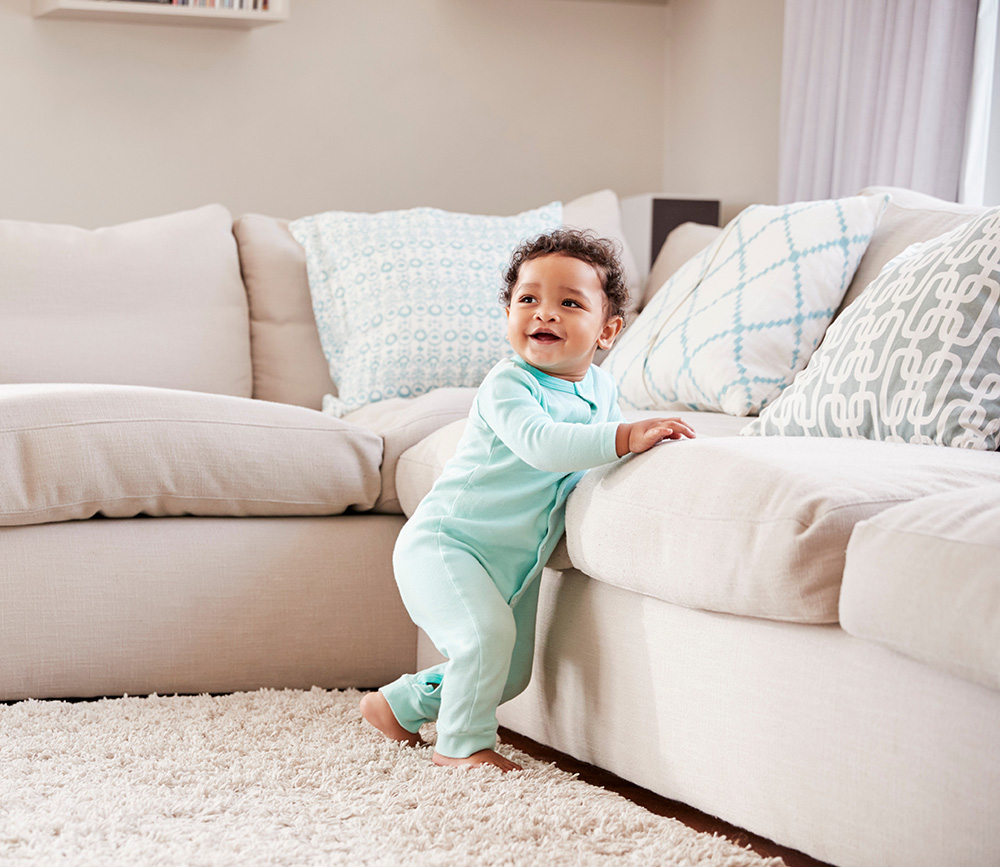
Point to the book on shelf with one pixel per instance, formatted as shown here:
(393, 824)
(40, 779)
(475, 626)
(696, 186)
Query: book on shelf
(235, 5)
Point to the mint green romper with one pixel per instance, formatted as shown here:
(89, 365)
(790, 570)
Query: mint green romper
(468, 560)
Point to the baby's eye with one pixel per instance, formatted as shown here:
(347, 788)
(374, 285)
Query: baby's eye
(526, 299)
(569, 302)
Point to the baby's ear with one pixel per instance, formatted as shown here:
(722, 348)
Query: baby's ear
(612, 328)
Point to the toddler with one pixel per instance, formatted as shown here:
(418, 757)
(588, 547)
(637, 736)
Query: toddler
(468, 560)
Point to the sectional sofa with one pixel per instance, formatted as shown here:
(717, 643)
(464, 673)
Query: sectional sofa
(798, 634)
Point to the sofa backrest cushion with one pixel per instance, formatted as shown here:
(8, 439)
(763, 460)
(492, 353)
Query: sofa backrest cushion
(681, 244)
(909, 217)
(601, 214)
(156, 302)
(288, 361)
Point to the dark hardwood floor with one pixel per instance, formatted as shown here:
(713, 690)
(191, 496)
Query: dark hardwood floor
(655, 804)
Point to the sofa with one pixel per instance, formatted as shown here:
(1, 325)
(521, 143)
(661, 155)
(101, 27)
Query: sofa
(797, 634)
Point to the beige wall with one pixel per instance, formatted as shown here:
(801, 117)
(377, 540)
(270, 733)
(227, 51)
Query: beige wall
(479, 105)
(464, 104)
(723, 90)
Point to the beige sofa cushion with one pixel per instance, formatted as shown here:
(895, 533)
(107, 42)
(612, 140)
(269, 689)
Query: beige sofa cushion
(420, 465)
(681, 244)
(750, 526)
(403, 423)
(74, 451)
(157, 302)
(288, 361)
(908, 218)
(600, 213)
(924, 579)
(417, 468)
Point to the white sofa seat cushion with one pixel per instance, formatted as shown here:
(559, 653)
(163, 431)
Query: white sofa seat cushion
(419, 466)
(750, 526)
(923, 578)
(402, 422)
(74, 451)
(157, 302)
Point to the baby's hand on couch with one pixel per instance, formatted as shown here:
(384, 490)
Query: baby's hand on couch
(640, 436)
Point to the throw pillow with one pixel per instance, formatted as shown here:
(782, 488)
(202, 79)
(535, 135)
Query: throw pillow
(916, 358)
(735, 324)
(156, 302)
(406, 301)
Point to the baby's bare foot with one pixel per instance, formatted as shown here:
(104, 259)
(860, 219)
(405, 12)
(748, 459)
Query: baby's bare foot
(483, 757)
(375, 709)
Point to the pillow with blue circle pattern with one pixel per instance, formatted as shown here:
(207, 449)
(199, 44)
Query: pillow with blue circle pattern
(407, 301)
(731, 328)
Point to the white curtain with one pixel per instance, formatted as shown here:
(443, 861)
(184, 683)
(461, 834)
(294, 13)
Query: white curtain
(874, 92)
(978, 162)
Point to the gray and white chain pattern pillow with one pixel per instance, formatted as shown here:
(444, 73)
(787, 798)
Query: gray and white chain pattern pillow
(916, 358)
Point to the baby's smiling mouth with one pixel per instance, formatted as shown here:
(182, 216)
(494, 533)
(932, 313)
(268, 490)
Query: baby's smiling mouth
(544, 337)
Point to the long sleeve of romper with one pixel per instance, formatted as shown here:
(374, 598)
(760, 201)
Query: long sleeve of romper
(515, 412)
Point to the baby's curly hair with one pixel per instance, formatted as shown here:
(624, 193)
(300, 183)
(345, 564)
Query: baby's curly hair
(603, 254)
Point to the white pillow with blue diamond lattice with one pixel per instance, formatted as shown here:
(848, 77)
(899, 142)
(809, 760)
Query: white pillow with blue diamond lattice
(732, 327)
(916, 358)
(407, 301)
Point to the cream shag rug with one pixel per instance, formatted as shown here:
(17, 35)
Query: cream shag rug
(297, 778)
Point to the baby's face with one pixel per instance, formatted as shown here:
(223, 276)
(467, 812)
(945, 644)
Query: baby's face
(556, 320)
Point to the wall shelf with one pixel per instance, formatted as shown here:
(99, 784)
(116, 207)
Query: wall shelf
(140, 12)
